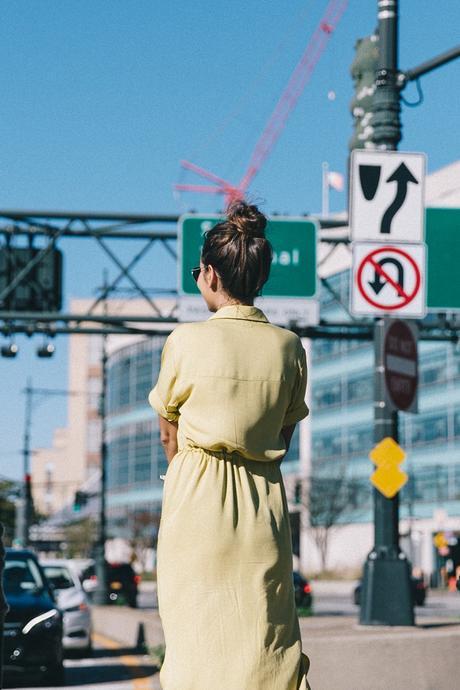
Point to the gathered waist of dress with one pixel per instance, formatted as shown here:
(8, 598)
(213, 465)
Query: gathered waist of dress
(224, 454)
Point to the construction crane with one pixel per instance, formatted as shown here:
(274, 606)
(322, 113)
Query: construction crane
(285, 105)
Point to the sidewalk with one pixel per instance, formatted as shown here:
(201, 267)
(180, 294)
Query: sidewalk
(343, 654)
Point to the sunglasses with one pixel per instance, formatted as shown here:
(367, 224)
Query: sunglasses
(196, 273)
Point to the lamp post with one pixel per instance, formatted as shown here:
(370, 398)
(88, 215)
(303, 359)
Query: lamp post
(25, 511)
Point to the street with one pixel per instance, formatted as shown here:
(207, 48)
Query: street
(111, 665)
(334, 598)
(121, 667)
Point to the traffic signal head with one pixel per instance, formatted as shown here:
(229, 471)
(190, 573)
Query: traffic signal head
(363, 71)
(10, 350)
(80, 500)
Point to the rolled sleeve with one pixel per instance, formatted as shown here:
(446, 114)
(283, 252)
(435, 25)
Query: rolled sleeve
(298, 409)
(163, 397)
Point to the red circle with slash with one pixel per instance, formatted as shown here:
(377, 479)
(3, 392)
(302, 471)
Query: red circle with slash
(406, 297)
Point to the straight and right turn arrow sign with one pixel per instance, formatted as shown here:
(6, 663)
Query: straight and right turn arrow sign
(387, 196)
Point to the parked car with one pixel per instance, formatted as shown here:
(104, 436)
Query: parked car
(122, 582)
(419, 590)
(73, 602)
(302, 591)
(32, 638)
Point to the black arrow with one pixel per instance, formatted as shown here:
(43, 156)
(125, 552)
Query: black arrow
(377, 284)
(402, 175)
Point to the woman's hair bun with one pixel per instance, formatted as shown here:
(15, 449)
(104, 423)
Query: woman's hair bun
(247, 219)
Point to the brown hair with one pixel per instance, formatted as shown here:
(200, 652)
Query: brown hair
(239, 251)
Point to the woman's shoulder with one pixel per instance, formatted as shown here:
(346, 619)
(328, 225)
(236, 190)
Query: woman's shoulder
(286, 337)
(185, 333)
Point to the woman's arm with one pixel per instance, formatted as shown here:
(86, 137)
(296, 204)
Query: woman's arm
(287, 432)
(168, 438)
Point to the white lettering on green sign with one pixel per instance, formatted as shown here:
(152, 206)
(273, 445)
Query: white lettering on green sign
(286, 258)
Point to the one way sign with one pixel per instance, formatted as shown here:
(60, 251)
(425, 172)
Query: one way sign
(387, 196)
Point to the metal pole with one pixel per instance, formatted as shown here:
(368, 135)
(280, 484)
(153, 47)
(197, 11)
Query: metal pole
(386, 121)
(386, 596)
(101, 594)
(3, 603)
(26, 493)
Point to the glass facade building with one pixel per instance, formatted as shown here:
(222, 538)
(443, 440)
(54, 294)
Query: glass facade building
(342, 418)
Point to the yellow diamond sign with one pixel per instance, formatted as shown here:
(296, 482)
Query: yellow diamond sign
(388, 478)
(440, 540)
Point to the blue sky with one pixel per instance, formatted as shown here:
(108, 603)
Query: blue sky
(101, 99)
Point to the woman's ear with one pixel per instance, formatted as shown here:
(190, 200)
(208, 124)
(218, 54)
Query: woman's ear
(213, 279)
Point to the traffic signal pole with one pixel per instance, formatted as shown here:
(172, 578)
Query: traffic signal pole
(386, 596)
(101, 593)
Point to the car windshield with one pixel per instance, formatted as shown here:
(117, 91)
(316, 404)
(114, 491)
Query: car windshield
(58, 576)
(22, 576)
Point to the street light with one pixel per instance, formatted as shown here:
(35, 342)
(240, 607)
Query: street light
(46, 350)
(10, 350)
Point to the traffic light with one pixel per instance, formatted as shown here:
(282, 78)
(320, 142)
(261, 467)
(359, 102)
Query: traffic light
(363, 71)
(80, 500)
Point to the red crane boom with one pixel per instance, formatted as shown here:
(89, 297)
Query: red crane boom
(285, 105)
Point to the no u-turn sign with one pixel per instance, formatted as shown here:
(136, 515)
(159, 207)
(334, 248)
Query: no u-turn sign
(388, 279)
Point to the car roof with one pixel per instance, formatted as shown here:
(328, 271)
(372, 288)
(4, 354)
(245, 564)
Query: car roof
(56, 561)
(24, 553)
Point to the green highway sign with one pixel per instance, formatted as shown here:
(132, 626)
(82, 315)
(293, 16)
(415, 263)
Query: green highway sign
(442, 236)
(293, 272)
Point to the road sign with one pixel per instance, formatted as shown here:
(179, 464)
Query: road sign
(443, 274)
(388, 478)
(400, 360)
(289, 294)
(387, 196)
(388, 279)
(440, 541)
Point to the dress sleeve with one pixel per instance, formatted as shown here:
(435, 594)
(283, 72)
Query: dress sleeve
(297, 408)
(163, 397)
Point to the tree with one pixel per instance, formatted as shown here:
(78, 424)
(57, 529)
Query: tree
(79, 537)
(326, 500)
(144, 526)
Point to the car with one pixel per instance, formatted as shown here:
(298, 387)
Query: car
(122, 583)
(419, 590)
(32, 634)
(302, 591)
(73, 602)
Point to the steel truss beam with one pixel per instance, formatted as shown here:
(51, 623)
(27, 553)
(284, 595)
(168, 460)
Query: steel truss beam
(55, 225)
(100, 227)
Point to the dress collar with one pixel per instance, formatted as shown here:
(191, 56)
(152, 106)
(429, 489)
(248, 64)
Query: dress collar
(240, 311)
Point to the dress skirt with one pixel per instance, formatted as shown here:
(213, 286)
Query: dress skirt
(224, 566)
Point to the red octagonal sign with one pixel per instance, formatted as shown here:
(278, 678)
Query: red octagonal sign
(401, 366)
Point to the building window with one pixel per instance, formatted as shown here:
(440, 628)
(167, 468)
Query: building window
(325, 348)
(359, 440)
(328, 394)
(427, 430)
(328, 445)
(360, 388)
(433, 370)
(457, 423)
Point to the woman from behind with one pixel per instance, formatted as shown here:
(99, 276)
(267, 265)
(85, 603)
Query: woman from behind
(229, 394)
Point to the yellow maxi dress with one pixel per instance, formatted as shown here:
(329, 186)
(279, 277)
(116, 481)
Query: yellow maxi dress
(225, 589)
